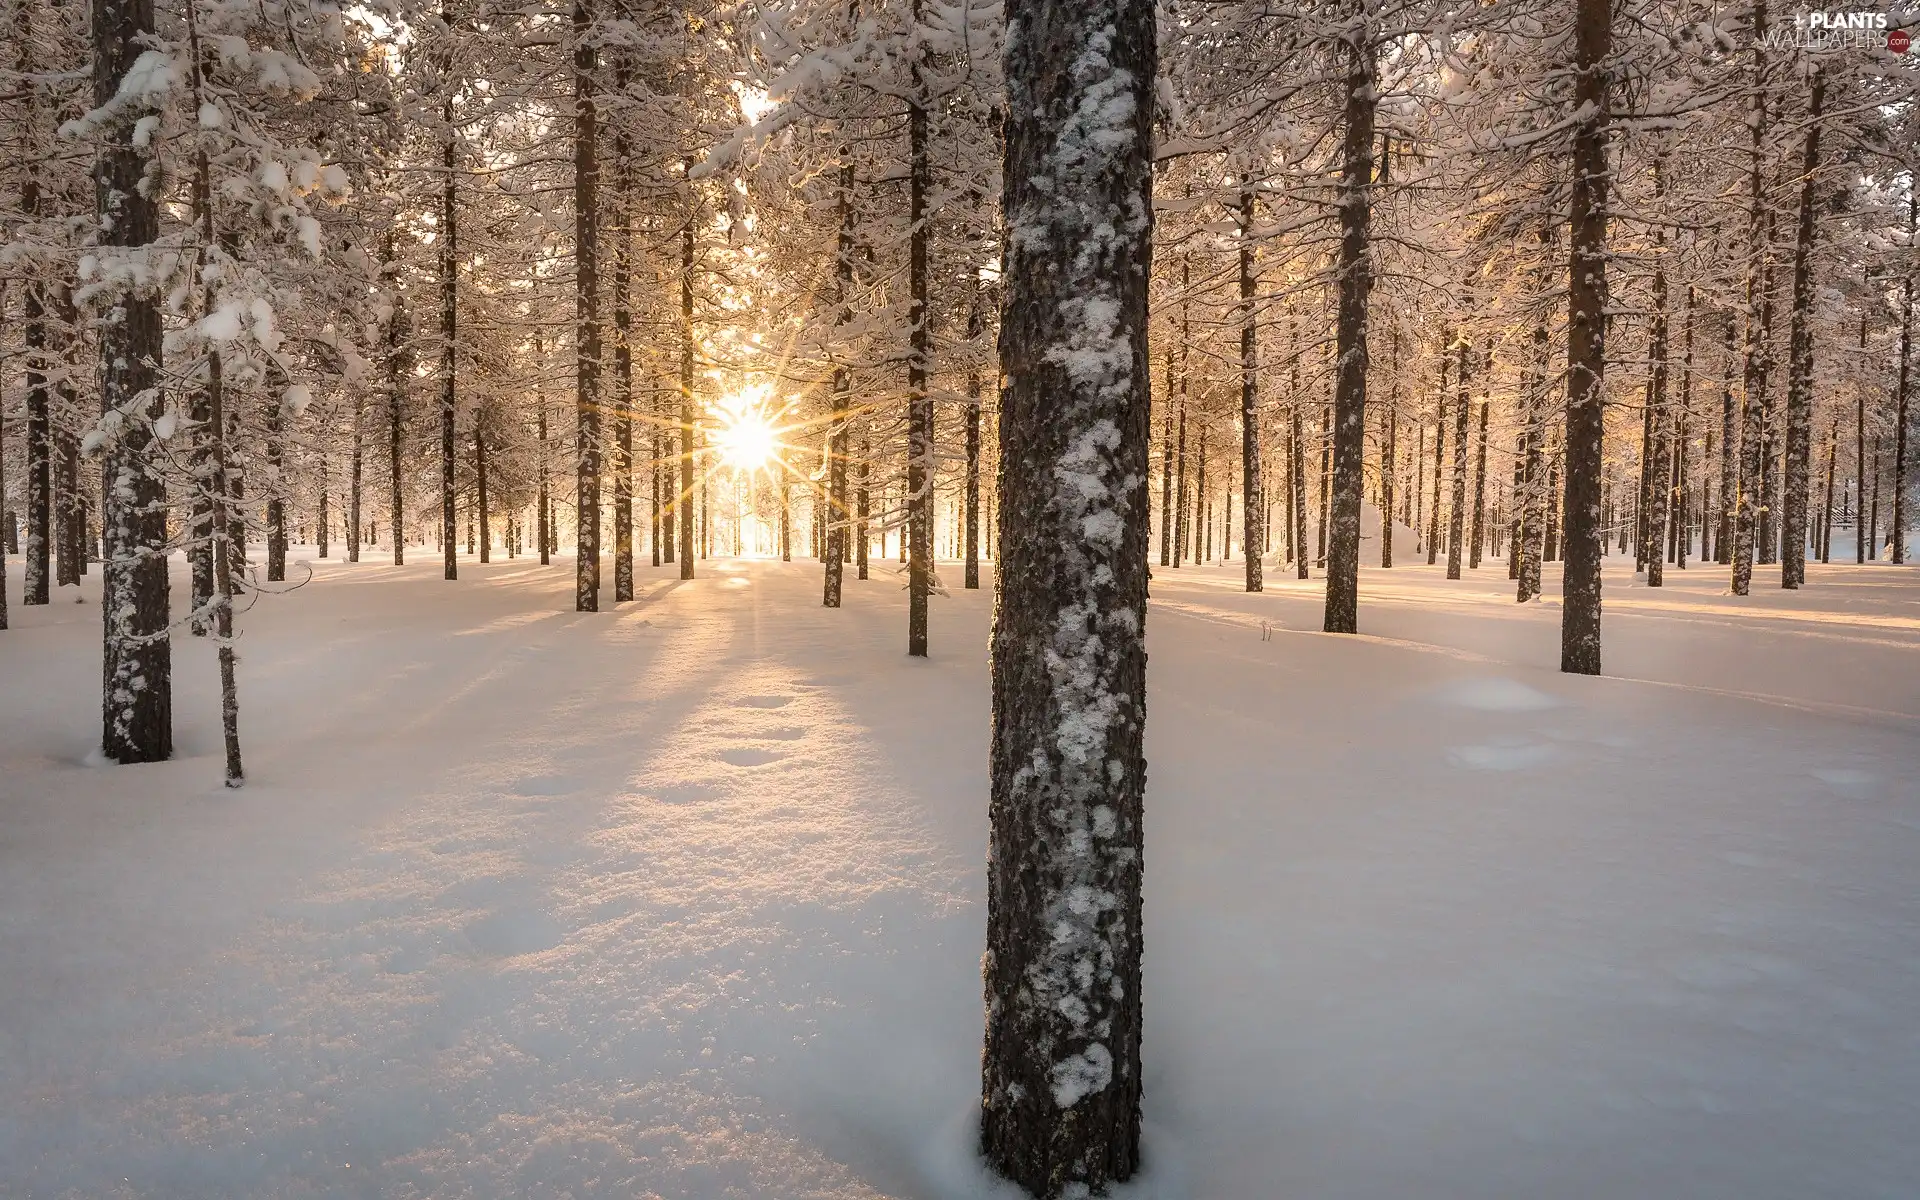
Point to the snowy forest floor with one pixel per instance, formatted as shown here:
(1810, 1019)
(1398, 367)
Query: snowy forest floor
(685, 899)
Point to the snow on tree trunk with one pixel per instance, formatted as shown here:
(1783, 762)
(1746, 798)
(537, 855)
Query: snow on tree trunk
(137, 666)
(1904, 388)
(1253, 506)
(1462, 416)
(681, 505)
(1758, 311)
(1793, 518)
(586, 291)
(1586, 336)
(1061, 1069)
(920, 462)
(1350, 337)
(449, 332)
(1659, 469)
(837, 427)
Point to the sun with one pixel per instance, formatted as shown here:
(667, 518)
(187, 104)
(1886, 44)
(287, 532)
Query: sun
(746, 440)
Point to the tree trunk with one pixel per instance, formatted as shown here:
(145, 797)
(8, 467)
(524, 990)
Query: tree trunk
(623, 331)
(1477, 531)
(449, 331)
(1826, 506)
(356, 472)
(842, 396)
(38, 563)
(863, 499)
(1252, 493)
(976, 326)
(276, 489)
(1729, 449)
(1793, 540)
(137, 657)
(1904, 386)
(1342, 613)
(1390, 454)
(1586, 335)
(682, 503)
(1755, 373)
(1061, 1070)
(586, 291)
(920, 462)
(1659, 469)
(1462, 416)
(1439, 449)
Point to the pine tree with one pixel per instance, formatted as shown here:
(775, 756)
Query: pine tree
(1061, 1068)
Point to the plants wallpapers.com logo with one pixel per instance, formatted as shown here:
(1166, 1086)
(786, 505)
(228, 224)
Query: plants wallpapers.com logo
(1844, 29)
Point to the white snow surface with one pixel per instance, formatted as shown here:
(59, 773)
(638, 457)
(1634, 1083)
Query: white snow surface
(686, 899)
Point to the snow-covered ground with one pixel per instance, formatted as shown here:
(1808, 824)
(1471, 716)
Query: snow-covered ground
(685, 899)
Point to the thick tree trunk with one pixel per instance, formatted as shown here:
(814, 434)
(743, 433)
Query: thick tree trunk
(1252, 503)
(1586, 335)
(586, 293)
(1342, 613)
(1793, 539)
(1755, 373)
(1061, 1072)
(137, 659)
(920, 461)
(449, 346)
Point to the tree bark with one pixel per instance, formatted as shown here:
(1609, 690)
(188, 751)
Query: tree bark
(1342, 613)
(1755, 373)
(920, 462)
(976, 326)
(1252, 503)
(1061, 1069)
(1793, 533)
(449, 333)
(586, 291)
(682, 503)
(842, 395)
(1462, 416)
(1586, 335)
(1903, 389)
(137, 658)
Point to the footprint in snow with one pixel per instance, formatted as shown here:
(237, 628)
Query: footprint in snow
(1501, 756)
(764, 701)
(514, 931)
(750, 756)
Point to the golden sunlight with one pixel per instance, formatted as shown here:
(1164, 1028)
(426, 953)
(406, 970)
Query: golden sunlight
(746, 439)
